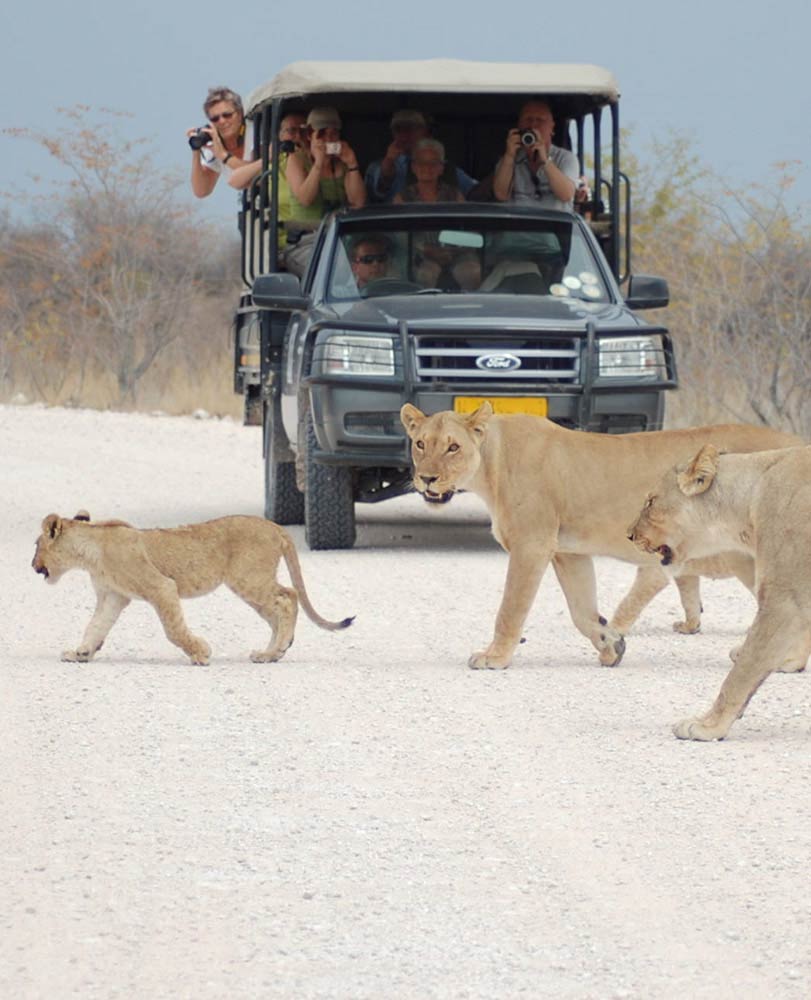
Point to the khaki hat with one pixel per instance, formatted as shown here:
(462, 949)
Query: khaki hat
(325, 117)
(408, 116)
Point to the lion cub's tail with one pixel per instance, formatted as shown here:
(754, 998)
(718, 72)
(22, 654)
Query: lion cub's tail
(294, 568)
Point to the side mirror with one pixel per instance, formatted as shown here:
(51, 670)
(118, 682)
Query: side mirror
(280, 291)
(647, 292)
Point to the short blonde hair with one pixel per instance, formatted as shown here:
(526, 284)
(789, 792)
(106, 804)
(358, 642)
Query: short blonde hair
(217, 94)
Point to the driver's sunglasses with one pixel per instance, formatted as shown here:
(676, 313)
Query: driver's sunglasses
(372, 258)
(226, 114)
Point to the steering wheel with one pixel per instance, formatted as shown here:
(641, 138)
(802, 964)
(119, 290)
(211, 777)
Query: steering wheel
(389, 286)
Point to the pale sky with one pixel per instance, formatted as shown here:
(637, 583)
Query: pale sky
(734, 76)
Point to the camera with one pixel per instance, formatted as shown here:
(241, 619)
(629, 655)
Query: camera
(200, 138)
(287, 146)
(333, 148)
(528, 137)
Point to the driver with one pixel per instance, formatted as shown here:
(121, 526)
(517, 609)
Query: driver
(369, 260)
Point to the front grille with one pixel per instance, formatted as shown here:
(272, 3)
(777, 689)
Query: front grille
(514, 360)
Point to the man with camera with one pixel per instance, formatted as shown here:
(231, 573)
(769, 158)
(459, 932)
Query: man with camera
(532, 169)
(219, 146)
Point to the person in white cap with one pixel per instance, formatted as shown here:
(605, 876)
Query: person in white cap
(322, 176)
(387, 177)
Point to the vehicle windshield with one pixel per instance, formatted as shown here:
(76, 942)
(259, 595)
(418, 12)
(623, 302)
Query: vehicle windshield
(499, 256)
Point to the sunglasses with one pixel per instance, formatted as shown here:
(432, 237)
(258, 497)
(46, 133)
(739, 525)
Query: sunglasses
(226, 114)
(372, 258)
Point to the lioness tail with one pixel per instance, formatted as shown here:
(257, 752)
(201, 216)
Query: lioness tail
(294, 568)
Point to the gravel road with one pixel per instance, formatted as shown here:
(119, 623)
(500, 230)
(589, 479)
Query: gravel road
(369, 818)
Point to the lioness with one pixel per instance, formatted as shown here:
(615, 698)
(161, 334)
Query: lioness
(759, 505)
(161, 565)
(565, 496)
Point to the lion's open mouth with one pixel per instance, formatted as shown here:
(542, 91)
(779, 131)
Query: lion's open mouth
(666, 553)
(431, 497)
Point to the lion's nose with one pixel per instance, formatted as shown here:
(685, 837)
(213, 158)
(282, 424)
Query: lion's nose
(429, 479)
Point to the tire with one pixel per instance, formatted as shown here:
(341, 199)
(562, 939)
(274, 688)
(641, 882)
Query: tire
(329, 504)
(284, 501)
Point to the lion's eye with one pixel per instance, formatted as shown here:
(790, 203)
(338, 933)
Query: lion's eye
(453, 447)
(420, 445)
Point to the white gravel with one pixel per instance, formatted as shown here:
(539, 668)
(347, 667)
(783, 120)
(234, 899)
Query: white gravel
(369, 818)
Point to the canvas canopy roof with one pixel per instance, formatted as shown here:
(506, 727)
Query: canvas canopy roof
(588, 86)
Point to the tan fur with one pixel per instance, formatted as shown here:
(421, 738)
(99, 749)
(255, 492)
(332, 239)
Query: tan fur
(759, 505)
(565, 496)
(162, 565)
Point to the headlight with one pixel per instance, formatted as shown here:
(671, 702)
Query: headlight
(355, 354)
(632, 357)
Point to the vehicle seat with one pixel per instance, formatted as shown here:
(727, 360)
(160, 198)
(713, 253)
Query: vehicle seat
(519, 277)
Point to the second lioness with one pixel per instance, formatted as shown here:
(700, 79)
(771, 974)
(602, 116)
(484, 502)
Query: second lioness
(758, 505)
(561, 496)
(161, 565)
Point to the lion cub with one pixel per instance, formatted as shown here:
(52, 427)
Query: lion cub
(161, 565)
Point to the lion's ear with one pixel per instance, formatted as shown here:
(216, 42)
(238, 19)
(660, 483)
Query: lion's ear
(52, 526)
(477, 421)
(411, 418)
(699, 474)
(81, 515)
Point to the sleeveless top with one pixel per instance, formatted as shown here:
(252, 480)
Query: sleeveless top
(331, 194)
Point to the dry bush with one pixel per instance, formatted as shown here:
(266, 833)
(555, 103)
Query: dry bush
(740, 314)
(113, 296)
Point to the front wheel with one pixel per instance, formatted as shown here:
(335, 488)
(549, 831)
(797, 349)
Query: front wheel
(329, 505)
(284, 501)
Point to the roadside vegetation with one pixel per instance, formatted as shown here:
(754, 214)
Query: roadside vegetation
(112, 296)
(738, 262)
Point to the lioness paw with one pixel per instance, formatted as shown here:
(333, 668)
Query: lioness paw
(199, 652)
(696, 729)
(611, 651)
(263, 656)
(76, 655)
(687, 628)
(482, 660)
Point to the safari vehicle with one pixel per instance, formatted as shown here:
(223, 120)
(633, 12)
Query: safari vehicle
(521, 306)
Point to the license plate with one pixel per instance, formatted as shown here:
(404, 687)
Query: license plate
(503, 404)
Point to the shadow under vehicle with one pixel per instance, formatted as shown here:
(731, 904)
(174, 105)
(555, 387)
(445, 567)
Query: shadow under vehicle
(508, 302)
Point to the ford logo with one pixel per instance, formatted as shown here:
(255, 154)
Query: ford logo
(498, 362)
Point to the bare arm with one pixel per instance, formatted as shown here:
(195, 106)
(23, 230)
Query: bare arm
(203, 180)
(353, 181)
(563, 187)
(242, 176)
(388, 165)
(503, 175)
(305, 183)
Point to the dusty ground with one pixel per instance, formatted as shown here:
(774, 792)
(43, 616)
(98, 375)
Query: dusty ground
(368, 818)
